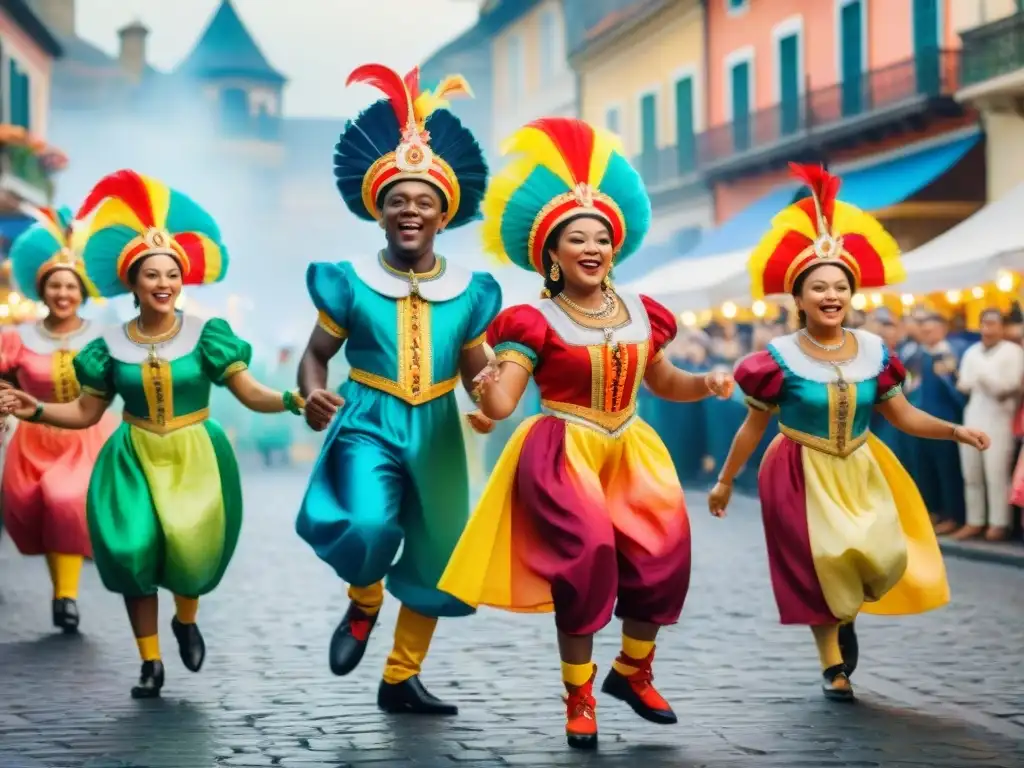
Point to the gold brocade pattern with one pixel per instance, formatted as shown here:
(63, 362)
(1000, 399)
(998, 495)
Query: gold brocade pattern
(415, 353)
(332, 328)
(473, 343)
(235, 368)
(597, 376)
(65, 383)
(156, 383)
(515, 356)
(390, 387)
(606, 421)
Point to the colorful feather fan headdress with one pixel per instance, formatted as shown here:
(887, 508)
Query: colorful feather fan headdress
(821, 229)
(409, 135)
(565, 168)
(131, 216)
(47, 245)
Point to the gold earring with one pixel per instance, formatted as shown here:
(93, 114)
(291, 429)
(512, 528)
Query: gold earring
(555, 273)
(607, 282)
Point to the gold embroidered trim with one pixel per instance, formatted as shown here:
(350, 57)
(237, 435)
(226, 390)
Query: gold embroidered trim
(658, 356)
(395, 389)
(431, 274)
(415, 353)
(65, 384)
(517, 357)
(131, 329)
(171, 425)
(597, 374)
(327, 324)
(609, 422)
(235, 368)
(822, 444)
(641, 371)
(758, 405)
(476, 342)
(156, 383)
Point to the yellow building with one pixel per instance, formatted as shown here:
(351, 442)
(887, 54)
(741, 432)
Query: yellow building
(531, 75)
(993, 82)
(640, 72)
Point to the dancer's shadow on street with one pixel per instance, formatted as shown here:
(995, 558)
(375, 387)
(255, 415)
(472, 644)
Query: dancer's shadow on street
(154, 733)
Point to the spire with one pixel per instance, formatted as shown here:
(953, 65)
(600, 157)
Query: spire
(226, 49)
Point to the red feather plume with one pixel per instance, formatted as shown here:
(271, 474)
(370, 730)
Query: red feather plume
(128, 187)
(390, 83)
(412, 82)
(824, 186)
(574, 140)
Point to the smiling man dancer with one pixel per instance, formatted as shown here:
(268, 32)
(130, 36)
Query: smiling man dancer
(393, 465)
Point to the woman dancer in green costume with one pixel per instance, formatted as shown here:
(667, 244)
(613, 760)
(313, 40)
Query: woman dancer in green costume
(165, 501)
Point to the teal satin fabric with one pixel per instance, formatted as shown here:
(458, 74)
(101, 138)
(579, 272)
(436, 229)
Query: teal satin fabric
(390, 472)
(804, 406)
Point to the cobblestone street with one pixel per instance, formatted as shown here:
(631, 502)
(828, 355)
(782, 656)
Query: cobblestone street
(935, 690)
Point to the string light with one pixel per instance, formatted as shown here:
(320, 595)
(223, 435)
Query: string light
(729, 310)
(978, 292)
(1004, 281)
(876, 299)
(907, 299)
(858, 301)
(13, 298)
(953, 297)
(688, 319)
(759, 308)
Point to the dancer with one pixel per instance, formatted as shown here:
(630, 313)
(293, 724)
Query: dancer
(46, 472)
(392, 472)
(846, 528)
(584, 509)
(165, 501)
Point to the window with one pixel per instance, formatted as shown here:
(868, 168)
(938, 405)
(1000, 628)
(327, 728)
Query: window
(686, 138)
(550, 51)
(19, 108)
(926, 46)
(851, 55)
(648, 135)
(613, 120)
(515, 68)
(741, 87)
(234, 110)
(789, 73)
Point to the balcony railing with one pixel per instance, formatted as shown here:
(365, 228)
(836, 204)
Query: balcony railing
(993, 49)
(929, 74)
(23, 171)
(668, 165)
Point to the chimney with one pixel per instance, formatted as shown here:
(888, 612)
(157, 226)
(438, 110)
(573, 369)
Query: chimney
(133, 49)
(57, 15)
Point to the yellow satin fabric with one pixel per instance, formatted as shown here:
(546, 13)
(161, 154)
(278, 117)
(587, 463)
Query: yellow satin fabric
(871, 540)
(184, 482)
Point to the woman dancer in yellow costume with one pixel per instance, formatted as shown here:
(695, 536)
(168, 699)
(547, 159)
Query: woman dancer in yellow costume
(165, 501)
(846, 528)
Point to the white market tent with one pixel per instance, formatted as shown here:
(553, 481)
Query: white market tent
(697, 284)
(973, 251)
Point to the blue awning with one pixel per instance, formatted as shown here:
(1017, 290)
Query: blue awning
(890, 182)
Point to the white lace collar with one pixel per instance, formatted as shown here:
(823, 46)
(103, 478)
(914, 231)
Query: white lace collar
(36, 338)
(636, 331)
(125, 350)
(449, 282)
(866, 365)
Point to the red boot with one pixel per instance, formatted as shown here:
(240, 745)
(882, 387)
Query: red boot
(580, 718)
(637, 690)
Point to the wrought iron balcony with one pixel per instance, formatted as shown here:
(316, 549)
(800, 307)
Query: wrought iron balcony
(993, 49)
(667, 166)
(830, 116)
(23, 173)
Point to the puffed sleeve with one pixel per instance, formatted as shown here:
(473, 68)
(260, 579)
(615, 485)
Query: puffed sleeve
(890, 380)
(94, 370)
(485, 295)
(517, 336)
(10, 350)
(663, 327)
(223, 354)
(760, 379)
(331, 291)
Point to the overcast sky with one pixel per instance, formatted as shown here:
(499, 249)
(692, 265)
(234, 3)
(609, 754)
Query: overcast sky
(315, 43)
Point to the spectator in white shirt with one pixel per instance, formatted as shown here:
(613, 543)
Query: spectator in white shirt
(991, 374)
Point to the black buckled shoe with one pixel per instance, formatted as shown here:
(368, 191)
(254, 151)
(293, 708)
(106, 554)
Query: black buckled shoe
(151, 680)
(410, 697)
(65, 615)
(849, 647)
(348, 643)
(191, 645)
(835, 692)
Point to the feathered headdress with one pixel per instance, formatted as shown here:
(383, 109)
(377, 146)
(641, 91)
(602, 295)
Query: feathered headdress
(409, 135)
(47, 245)
(131, 216)
(823, 230)
(565, 167)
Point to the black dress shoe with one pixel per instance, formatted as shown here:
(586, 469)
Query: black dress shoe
(151, 680)
(191, 645)
(348, 643)
(829, 687)
(65, 615)
(849, 647)
(410, 697)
